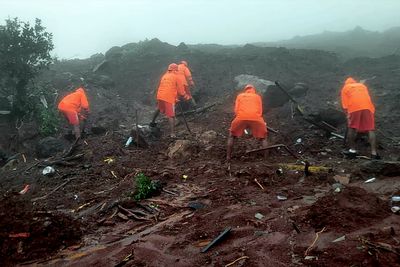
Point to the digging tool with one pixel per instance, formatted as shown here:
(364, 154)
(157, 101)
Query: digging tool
(325, 126)
(217, 239)
(298, 107)
(271, 147)
(184, 118)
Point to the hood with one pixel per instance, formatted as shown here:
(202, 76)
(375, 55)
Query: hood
(250, 89)
(80, 90)
(350, 80)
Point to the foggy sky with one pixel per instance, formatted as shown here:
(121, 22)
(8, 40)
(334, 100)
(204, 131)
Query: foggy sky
(85, 27)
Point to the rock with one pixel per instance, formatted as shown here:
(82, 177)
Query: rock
(343, 179)
(180, 148)
(114, 53)
(387, 168)
(260, 84)
(299, 90)
(196, 205)
(273, 97)
(208, 137)
(259, 216)
(332, 116)
(49, 146)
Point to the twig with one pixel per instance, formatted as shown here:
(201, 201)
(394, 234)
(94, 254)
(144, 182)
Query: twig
(382, 246)
(273, 146)
(238, 259)
(130, 214)
(313, 243)
(169, 192)
(125, 260)
(258, 183)
(54, 190)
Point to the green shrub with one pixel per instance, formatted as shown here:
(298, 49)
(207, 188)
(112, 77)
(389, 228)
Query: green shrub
(49, 121)
(145, 187)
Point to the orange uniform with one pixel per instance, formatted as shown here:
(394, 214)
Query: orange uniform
(169, 88)
(355, 97)
(186, 76)
(72, 104)
(248, 111)
(358, 105)
(167, 94)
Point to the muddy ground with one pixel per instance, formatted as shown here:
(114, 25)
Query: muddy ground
(78, 216)
(77, 224)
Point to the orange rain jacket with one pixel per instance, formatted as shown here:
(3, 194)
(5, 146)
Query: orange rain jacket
(355, 97)
(248, 105)
(185, 72)
(169, 88)
(75, 101)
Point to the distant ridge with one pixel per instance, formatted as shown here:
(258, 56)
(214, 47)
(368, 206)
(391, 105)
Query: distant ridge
(354, 43)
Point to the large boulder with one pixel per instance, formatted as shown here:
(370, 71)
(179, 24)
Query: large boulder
(49, 146)
(260, 84)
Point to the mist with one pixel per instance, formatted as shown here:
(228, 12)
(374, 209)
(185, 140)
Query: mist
(83, 28)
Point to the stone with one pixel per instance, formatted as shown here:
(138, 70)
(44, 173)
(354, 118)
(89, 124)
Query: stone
(180, 148)
(49, 146)
(343, 179)
(259, 216)
(260, 84)
(208, 137)
(381, 167)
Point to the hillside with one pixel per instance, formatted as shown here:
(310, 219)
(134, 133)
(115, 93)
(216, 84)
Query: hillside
(354, 43)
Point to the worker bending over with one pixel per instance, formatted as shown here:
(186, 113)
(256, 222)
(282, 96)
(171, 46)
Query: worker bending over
(248, 115)
(169, 89)
(186, 77)
(360, 110)
(75, 108)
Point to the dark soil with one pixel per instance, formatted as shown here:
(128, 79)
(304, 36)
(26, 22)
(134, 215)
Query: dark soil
(73, 218)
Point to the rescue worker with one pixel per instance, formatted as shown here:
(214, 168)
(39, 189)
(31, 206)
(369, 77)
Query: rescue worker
(169, 89)
(248, 115)
(186, 77)
(75, 108)
(360, 110)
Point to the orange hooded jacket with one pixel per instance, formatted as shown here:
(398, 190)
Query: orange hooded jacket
(248, 105)
(75, 101)
(185, 72)
(355, 97)
(169, 88)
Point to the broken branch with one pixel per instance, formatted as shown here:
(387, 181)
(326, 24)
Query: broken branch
(258, 183)
(313, 243)
(238, 259)
(54, 190)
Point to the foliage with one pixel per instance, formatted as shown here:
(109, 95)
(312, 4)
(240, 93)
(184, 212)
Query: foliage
(49, 121)
(145, 187)
(24, 53)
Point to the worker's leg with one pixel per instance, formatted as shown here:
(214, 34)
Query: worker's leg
(155, 115)
(372, 142)
(194, 104)
(351, 137)
(77, 131)
(236, 130)
(229, 147)
(171, 122)
(264, 144)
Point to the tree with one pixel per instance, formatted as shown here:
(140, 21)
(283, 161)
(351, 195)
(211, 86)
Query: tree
(24, 53)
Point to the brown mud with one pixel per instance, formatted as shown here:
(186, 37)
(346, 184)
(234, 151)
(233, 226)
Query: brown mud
(76, 217)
